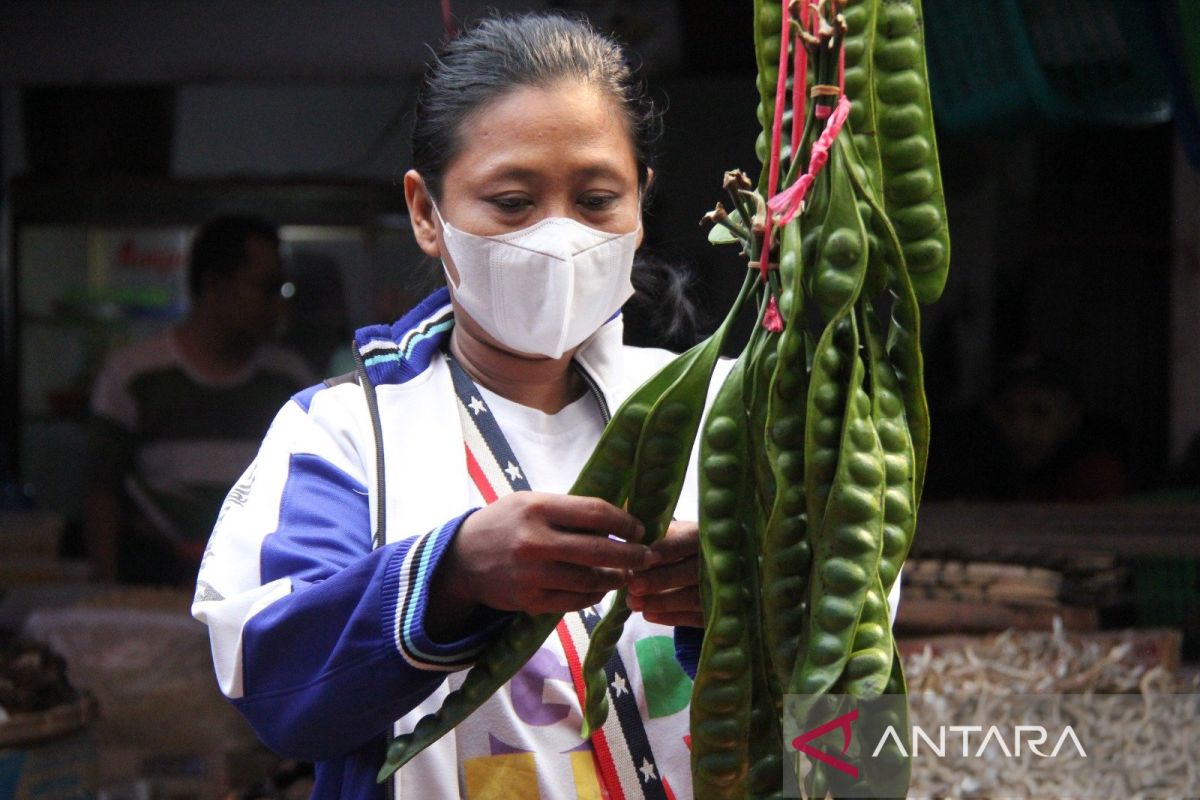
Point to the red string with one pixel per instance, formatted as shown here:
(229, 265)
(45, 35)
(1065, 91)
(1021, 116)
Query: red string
(799, 82)
(448, 21)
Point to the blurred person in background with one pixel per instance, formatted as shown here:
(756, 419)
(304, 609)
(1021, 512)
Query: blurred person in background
(177, 416)
(1036, 441)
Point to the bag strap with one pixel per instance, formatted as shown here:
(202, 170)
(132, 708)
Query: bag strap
(624, 760)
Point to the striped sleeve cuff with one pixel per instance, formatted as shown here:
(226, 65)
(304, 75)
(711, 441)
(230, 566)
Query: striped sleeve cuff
(406, 595)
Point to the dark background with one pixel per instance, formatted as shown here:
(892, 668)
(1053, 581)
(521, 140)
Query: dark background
(1062, 229)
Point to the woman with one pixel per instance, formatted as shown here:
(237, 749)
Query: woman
(358, 567)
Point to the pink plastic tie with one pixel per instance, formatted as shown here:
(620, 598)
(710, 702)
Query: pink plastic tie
(787, 203)
(772, 319)
(799, 82)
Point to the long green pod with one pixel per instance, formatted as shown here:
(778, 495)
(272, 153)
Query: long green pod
(904, 351)
(765, 766)
(870, 663)
(764, 355)
(764, 769)
(870, 208)
(768, 19)
(912, 177)
(839, 272)
(764, 749)
(665, 445)
(523, 636)
(888, 772)
(607, 475)
(858, 46)
(659, 467)
(825, 412)
(722, 692)
(904, 340)
(840, 266)
(786, 554)
(847, 537)
(887, 409)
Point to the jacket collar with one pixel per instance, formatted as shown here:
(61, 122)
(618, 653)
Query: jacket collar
(397, 353)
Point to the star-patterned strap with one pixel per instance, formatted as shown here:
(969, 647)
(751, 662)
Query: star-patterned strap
(624, 760)
(624, 757)
(490, 460)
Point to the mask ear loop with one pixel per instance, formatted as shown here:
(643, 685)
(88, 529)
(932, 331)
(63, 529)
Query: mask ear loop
(447, 234)
(447, 231)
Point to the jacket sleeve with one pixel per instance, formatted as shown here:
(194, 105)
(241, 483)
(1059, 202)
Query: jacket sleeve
(316, 638)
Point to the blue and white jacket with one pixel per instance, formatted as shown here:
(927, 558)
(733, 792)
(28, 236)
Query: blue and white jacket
(317, 630)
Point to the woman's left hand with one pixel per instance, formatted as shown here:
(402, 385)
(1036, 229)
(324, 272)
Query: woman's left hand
(669, 591)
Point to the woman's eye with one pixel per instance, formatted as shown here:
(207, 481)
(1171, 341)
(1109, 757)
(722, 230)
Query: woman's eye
(598, 202)
(510, 203)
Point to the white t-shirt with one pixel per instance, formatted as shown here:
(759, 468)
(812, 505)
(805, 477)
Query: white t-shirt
(551, 448)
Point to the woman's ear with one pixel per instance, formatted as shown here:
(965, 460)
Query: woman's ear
(420, 213)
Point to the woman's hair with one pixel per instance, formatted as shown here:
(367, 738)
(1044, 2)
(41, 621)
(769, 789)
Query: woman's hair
(503, 53)
(663, 311)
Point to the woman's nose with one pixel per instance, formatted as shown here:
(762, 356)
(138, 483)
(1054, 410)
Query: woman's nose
(559, 209)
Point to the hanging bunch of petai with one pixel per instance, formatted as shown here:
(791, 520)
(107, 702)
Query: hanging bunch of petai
(812, 458)
(813, 453)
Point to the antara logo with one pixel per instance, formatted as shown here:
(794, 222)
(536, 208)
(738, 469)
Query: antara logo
(801, 743)
(1031, 736)
(976, 740)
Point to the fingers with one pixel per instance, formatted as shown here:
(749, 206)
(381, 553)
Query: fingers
(666, 577)
(675, 559)
(669, 592)
(577, 530)
(597, 551)
(555, 587)
(676, 607)
(559, 577)
(537, 588)
(539, 552)
(587, 514)
(681, 541)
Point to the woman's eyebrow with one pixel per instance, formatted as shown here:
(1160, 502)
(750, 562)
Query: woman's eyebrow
(516, 172)
(601, 171)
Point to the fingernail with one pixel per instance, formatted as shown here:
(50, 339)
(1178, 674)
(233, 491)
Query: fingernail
(652, 558)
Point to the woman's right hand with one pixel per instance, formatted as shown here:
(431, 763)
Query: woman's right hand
(537, 553)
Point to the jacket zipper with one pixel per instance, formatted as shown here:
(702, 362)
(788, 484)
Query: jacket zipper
(594, 390)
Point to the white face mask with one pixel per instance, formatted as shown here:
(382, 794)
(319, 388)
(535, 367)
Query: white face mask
(542, 289)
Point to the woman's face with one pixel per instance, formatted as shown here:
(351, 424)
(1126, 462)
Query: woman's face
(533, 153)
